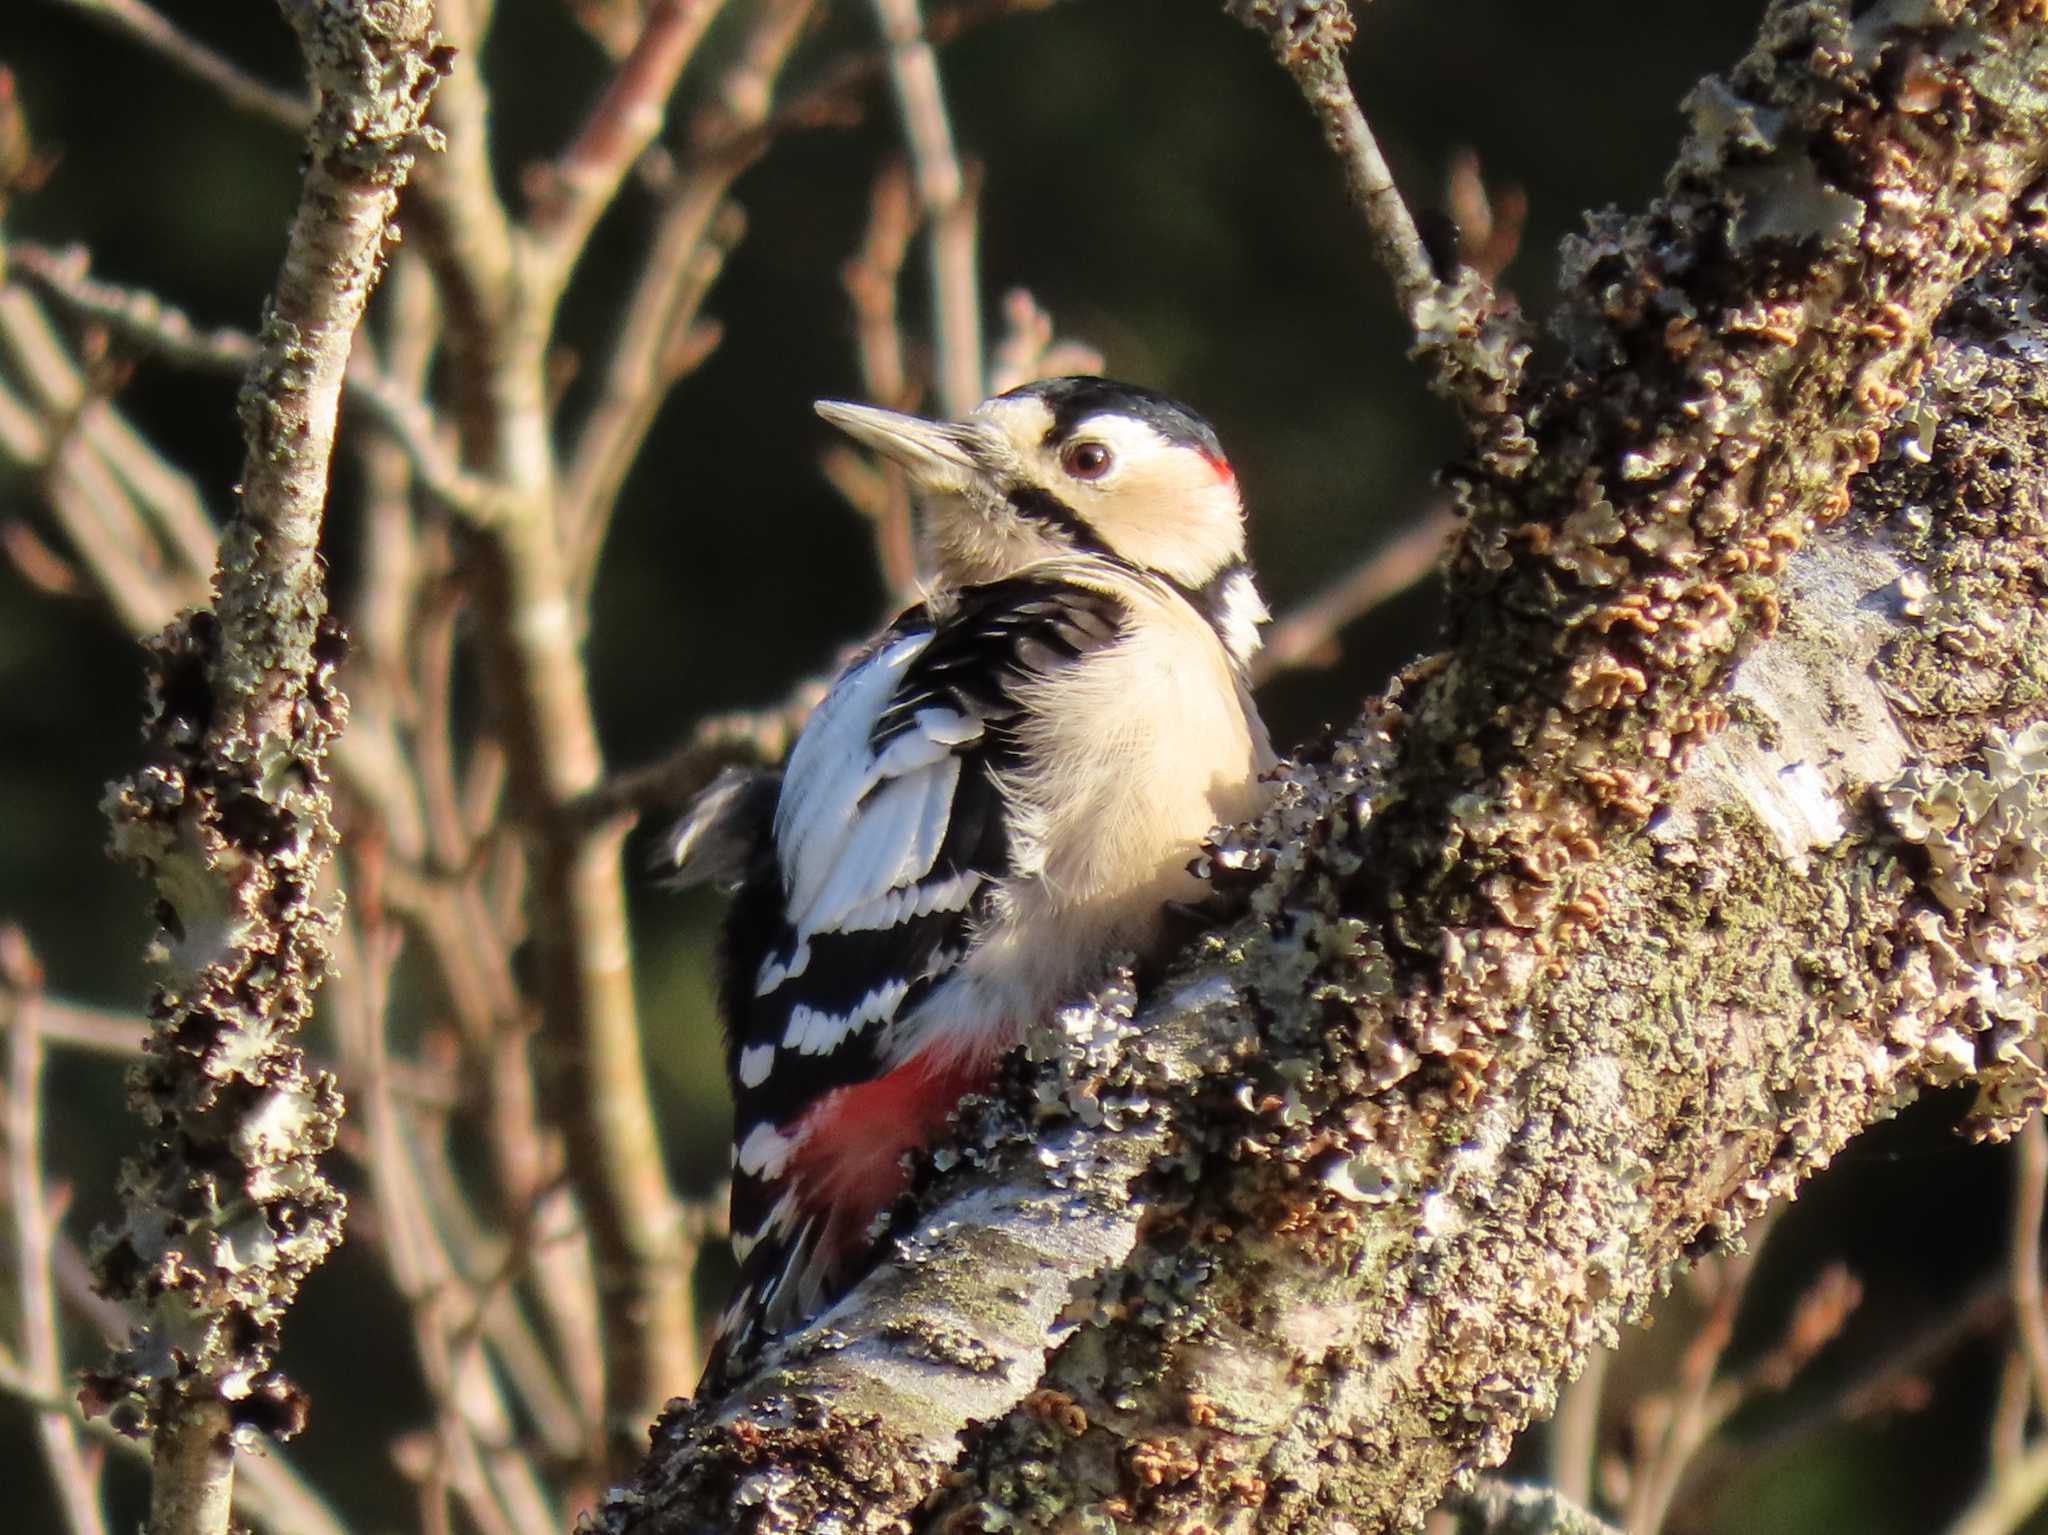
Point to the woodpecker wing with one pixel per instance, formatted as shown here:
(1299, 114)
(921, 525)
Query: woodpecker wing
(887, 840)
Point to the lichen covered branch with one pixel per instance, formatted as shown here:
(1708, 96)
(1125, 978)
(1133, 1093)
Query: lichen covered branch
(226, 1210)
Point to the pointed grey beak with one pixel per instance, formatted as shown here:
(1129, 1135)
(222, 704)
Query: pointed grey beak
(937, 455)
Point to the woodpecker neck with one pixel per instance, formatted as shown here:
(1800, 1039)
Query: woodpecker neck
(1230, 601)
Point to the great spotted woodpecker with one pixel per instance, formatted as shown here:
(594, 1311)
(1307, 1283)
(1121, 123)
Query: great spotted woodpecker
(999, 793)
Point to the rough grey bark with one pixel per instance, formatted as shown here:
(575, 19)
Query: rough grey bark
(226, 1209)
(1713, 835)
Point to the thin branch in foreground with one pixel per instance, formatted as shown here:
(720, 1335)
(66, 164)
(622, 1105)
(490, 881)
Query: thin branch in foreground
(1475, 344)
(237, 87)
(230, 819)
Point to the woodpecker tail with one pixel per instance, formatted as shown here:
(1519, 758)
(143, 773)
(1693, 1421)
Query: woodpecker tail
(723, 833)
(805, 1195)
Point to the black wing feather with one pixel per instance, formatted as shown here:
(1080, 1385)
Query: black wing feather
(981, 644)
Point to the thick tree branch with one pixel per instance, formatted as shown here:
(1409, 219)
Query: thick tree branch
(226, 1210)
(1712, 837)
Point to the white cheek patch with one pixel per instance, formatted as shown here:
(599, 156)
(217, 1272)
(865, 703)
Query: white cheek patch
(1165, 506)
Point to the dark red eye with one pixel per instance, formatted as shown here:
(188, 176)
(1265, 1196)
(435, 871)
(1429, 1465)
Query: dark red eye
(1086, 460)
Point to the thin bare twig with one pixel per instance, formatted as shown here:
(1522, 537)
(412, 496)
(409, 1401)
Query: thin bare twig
(1474, 342)
(946, 194)
(870, 277)
(718, 742)
(531, 620)
(75, 1481)
(2010, 1498)
(660, 340)
(697, 229)
(626, 119)
(1688, 1415)
(237, 87)
(472, 1415)
(2030, 1191)
(881, 493)
(1575, 1432)
(1030, 349)
(1489, 224)
(132, 313)
(1308, 635)
(89, 463)
(143, 319)
(2007, 1436)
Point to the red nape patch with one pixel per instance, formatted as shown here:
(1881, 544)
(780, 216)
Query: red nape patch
(849, 1153)
(1223, 470)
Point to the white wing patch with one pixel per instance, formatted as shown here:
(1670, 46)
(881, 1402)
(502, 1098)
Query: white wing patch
(811, 1032)
(893, 837)
(858, 830)
(917, 901)
(830, 769)
(756, 1063)
(764, 1151)
(775, 971)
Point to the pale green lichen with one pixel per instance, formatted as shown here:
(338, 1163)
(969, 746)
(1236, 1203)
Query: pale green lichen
(1966, 990)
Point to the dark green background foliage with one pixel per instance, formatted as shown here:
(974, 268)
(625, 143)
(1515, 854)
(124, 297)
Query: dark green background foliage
(1156, 183)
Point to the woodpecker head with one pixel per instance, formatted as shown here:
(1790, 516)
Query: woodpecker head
(1076, 466)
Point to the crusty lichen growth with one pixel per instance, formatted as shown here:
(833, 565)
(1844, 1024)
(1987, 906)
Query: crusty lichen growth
(226, 1211)
(1965, 992)
(1984, 572)
(1501, 1508)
